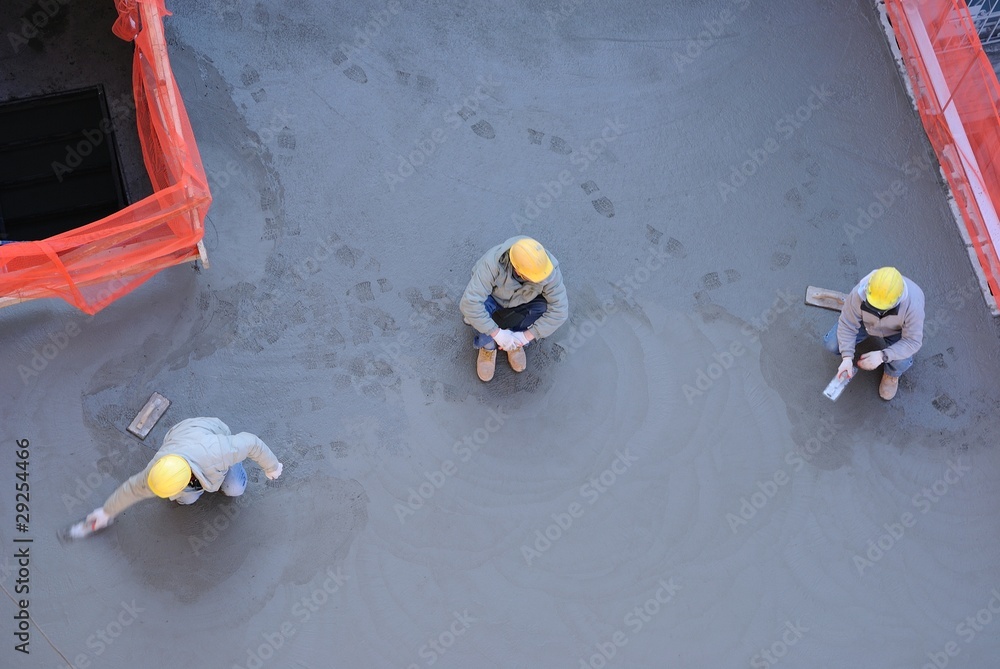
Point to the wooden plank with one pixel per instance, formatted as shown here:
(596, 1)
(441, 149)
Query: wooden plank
(824, 297)
(148, 415)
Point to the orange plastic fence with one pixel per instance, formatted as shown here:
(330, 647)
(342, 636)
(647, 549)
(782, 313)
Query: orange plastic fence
(94, 265)
(957, 95)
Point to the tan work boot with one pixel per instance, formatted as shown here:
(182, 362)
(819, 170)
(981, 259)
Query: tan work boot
(887, 389)
(518, 361)
(486, 364)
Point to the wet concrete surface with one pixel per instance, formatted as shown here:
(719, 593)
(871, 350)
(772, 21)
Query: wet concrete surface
(664, 486)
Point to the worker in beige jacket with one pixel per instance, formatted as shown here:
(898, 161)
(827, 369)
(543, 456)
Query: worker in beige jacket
(198, 455)
(515, 296)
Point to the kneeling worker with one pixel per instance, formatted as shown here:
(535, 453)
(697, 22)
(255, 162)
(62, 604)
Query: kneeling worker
(198, 455)
(884, 304)
(516, 296)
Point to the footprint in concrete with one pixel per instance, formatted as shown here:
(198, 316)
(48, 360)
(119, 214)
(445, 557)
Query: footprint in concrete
(711, 281)
(604, 206)
(813, 169)
(317, 403)
(465, 113)
(799, 154)
(535, 137)
(249, 76)
(484, 130)
(330, 359)
(783, 254)
(675, 249)
(362, 291)
(732, 276)
(793, 198)
(339, 57)
(259, 95)
(232, 21)
(402, 78)
(384, 285)
(286, 139)
(355, 73)
(847, 257)
(947, 406)
(828, 215)
(334, 338)
(426, 84)
(267, 199)
(652, 234)
(261, 15)
(559, 145)
(938, 361)
(347, 256)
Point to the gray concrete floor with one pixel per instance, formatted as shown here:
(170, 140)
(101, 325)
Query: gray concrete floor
(755, 524)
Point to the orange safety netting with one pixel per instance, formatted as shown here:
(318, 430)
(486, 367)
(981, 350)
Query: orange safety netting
(957, 95)
(94, 265)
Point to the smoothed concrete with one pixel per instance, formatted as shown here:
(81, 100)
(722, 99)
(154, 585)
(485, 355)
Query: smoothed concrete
(668, 449)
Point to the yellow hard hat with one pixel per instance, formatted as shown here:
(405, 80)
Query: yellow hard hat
(169, 476)
(885, 288)
(530, 260)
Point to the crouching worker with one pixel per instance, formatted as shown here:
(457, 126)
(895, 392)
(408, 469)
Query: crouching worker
(516, 295)
(884, 304)
(198, 455)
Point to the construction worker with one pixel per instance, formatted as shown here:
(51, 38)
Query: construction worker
(516, 295)
(884, 304)
(198, 455)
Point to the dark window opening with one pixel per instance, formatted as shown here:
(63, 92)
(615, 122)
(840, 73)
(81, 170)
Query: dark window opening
(59, 166)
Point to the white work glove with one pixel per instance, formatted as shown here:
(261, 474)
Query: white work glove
(870, 360)
(97, 520)
(274, 473)
(846, 369)
(506, 340)
(523, 338)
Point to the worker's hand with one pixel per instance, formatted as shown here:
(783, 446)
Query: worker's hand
(97, 520)
(524, 338)
(274, 473)
(870, 360)
(846, 369)
(506, 340)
